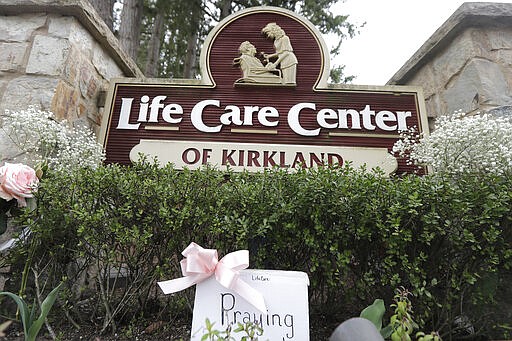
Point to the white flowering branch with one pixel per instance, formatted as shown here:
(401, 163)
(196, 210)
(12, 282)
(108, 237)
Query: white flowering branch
(461, 144)
(43, 140)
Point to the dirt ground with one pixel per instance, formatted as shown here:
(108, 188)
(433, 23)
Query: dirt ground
(155, 331)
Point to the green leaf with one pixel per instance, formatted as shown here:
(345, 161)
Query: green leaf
(395, 337)
(208, 324)
(23, 308)
(375, 313)
(45, 310)
(386, 331)
(32, 315)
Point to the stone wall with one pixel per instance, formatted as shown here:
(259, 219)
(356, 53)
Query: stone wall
(59, 56)
(467, 63)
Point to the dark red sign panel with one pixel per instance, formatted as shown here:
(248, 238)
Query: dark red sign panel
(263, 100)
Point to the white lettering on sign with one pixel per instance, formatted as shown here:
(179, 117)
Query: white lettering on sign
(196, 116)
(171, 113)
(268, 116)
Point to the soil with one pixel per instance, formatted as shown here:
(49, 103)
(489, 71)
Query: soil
(157, 331)
(174, 327)
(178, 330)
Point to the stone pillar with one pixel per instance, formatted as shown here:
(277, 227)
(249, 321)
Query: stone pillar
(467, 63)
(59, 56)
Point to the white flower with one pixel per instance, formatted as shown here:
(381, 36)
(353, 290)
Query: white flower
(461, 143)
(42, 139)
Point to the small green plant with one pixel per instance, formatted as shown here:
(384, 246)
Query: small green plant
(212, 334)
(31, 325)
(401, 325)
(434, 336)
(251, 330)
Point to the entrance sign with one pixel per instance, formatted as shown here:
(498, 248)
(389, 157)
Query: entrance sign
(286, 298)
(262, 101)
(254, 157)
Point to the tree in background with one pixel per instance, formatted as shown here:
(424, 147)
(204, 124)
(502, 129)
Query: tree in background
(131, 23)
(105, 10)
(164, 36)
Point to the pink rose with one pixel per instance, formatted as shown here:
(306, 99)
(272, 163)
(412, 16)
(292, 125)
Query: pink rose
(17, 181)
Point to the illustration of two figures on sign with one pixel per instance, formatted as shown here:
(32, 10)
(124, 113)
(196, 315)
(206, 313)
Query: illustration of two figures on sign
(279, 67)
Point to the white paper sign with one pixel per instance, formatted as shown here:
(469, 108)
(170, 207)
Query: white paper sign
(286, 297)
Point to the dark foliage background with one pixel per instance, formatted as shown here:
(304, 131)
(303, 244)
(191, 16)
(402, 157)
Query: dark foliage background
(165, 37)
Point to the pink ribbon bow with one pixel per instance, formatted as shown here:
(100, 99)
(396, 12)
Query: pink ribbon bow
(199, 264)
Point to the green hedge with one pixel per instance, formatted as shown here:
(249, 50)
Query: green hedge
(358, 235)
